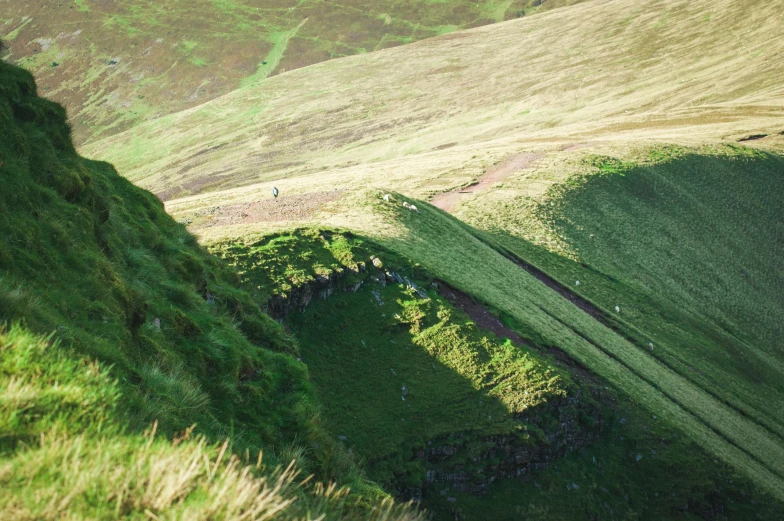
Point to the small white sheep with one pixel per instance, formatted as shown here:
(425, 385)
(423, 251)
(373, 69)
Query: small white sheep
(414, 208)
(650, 345)
(405, 203)
(617, 309)
(576, 282)
(386, 197)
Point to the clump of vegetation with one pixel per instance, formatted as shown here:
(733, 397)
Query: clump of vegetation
(278, 263)
(152, 356)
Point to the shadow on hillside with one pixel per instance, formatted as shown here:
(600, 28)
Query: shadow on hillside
(412, 387)
(686, 248)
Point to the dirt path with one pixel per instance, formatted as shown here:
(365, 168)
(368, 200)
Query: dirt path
(478, 313)
(448, 200)
(283, 208)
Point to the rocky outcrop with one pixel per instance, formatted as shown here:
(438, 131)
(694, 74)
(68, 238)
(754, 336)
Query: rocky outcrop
(323, 286)
(469, 464)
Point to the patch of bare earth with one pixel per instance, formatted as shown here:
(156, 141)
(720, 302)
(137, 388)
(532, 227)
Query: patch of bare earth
(478, 313)
(283, 208)
(448, 200)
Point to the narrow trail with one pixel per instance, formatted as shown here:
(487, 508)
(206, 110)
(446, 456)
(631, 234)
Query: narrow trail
(607, 321)
(448, 200)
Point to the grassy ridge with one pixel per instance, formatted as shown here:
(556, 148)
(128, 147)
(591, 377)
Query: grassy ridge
(686, 243)
(365, 345)
(362, 347)
(452, 252)
(149, 334)
(113, 66)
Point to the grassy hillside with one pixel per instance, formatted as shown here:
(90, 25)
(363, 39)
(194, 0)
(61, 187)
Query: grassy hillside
(685, 242)
(159, 352)
(432, 116)
(113, 65)
(586, 91)
(551, 141)
(128, 355)
(405, 380)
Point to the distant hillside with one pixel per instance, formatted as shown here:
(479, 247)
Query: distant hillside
(432, 116)
(114, 64)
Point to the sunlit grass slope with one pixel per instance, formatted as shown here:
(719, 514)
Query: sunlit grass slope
(114, 64)
(366, 345)
(398, 374)
(458, 255)
(686, 242)
(145, 335)
(432, 115)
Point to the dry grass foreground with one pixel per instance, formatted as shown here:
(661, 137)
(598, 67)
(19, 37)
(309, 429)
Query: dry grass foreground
(432, 115)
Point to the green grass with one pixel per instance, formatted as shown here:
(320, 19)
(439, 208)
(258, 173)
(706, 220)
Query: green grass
(363, 347)
(453, 252)
(146, 333)
(673, 479)
(686, 243)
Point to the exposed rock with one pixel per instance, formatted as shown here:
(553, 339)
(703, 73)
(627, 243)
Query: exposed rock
(419, 291)
(511, 456)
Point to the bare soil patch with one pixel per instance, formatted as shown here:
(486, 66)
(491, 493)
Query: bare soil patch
(283, 208)
(448, 200)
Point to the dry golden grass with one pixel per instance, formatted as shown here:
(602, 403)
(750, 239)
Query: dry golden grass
(432, 115)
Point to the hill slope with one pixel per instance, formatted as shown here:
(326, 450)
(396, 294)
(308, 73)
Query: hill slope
(431, 116)
(587, 90)
(115, 64)
(121, 338)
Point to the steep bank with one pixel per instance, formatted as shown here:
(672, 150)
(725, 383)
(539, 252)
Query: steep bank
(151, 356)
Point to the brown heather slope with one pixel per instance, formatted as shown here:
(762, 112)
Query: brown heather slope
(430, 116)
(114, 64)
